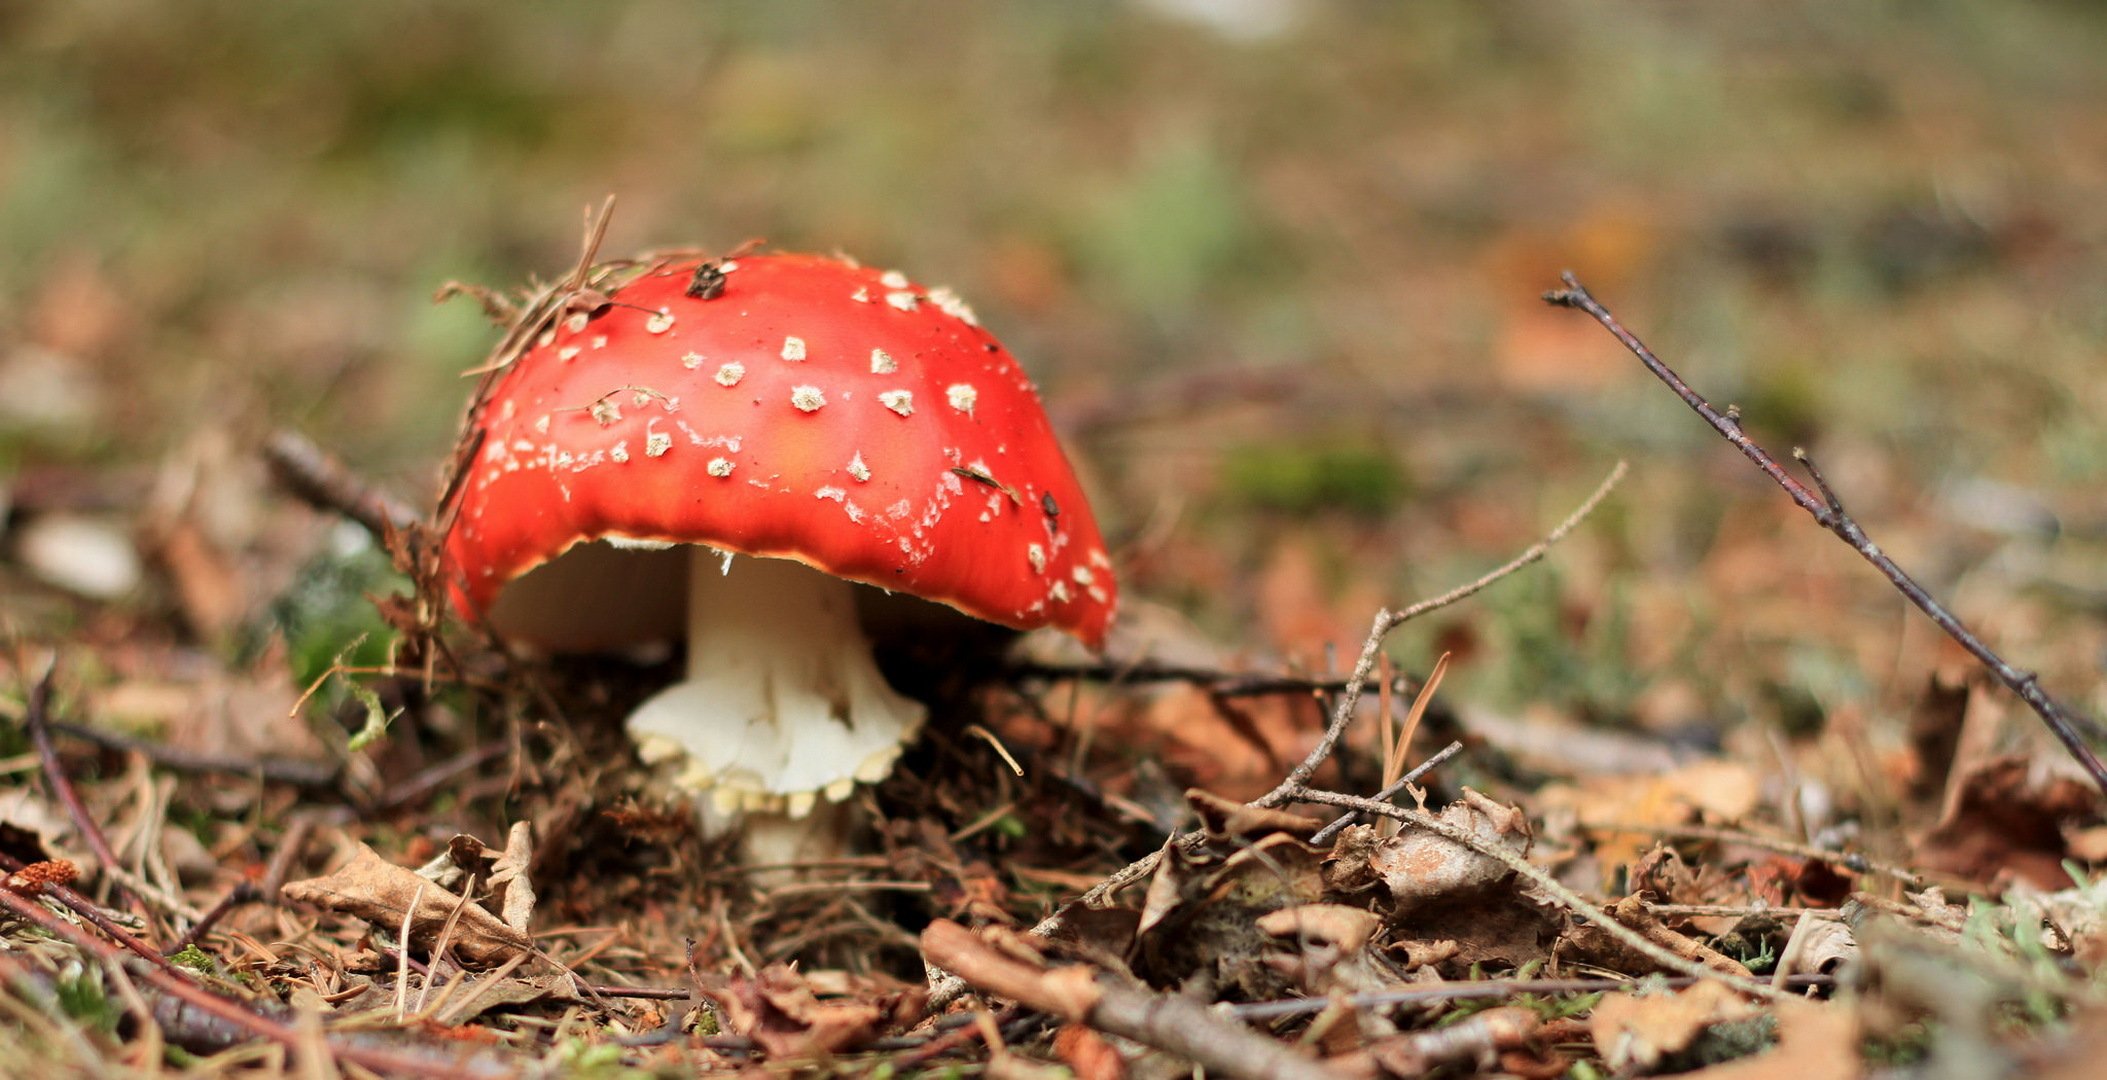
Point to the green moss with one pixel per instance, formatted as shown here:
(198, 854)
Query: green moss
(1300, 479)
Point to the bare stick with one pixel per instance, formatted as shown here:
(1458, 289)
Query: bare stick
(1323, 836)
(37, 718)
(308, 774)
(1228, 684)
(1179, 1025)
(1822, 504)
(325, 484)
(1462, 991)
(244, 893)
(1544, 882)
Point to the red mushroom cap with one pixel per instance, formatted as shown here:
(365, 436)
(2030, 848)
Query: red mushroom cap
(808, 408)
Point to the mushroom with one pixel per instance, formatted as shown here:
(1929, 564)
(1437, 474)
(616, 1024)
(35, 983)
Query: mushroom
(840, 425)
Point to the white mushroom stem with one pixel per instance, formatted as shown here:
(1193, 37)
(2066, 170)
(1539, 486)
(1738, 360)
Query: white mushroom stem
(783, 706)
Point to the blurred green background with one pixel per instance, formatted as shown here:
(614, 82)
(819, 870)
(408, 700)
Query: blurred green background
(1275, 264)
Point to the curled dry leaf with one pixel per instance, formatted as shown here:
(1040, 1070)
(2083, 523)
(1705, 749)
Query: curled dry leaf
(1225, 819)
(781, 1014)
(1420, 868)
(1826, 945)
(1634, 1032)
(378, 891)
(1331, 943)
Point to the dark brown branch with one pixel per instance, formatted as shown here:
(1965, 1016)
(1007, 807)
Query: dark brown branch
(1228, 684)
(1178, 1025)
(37, 718)
(307, 774)
(325, 484)
(95, 916)
(1822, 504)
(244, 893)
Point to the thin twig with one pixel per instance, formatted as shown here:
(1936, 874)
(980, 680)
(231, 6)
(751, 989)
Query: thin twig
(1324, 835)
(1226, 684)
(244, 893)
(1822, 504)
(1386, 621)
(180, 985)
(1464, 991)
(308, 774)
(1543, 881)
(93, 915)
(945, 988)
(36, 716)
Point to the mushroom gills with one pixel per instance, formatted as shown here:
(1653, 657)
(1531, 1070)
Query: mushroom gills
(783, 708)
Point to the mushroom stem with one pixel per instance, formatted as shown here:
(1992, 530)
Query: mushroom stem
(783, 706)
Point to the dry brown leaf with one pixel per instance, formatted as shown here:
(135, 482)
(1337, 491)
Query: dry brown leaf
(1330, 943)
(1815, 1042)
(1421, 868)
(2005, 818)
(1088, 1054)
(1344, 928)
(1826, 945)
(1709, 790)
(780, 1013)
(378, 891)
(1634, 1032)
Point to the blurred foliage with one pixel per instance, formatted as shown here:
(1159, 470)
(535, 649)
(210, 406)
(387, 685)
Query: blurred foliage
(1304, 478)
(326, 617)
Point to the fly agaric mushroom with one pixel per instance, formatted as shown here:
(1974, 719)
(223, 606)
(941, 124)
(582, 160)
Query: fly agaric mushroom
(841, 424)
